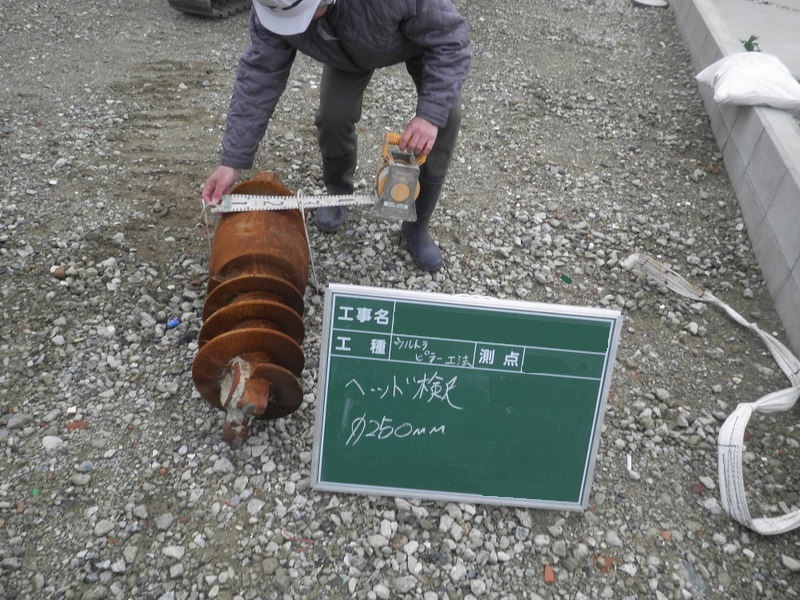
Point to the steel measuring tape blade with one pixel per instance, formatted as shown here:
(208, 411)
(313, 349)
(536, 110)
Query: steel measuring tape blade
(244, 202)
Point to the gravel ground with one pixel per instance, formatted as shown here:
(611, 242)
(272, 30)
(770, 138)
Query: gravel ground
(584, 140)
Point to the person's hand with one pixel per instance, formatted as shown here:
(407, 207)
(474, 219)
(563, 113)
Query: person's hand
(418, 137)
(219, 183)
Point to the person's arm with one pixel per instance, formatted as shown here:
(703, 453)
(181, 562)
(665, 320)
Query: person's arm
(442, 33)
(260, 81)
(418, 136)
(219, 183)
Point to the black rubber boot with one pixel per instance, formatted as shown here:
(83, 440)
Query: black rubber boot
(338, 179)
(331, 218)
(426, 254)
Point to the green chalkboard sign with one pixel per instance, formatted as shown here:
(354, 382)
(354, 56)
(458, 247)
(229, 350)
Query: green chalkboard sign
(461, 398)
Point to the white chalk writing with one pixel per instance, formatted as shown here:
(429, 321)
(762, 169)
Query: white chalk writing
(428, 388)
(385, 428)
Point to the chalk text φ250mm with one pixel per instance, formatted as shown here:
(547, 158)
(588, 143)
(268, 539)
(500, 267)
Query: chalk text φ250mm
(383, 429)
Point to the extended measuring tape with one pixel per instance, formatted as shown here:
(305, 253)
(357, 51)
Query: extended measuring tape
(396, 189)
(244, 202)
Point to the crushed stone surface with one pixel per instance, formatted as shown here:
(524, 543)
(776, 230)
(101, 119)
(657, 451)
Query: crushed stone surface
(584, 140)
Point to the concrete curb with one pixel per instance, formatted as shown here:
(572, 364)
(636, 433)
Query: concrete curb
(761, 151)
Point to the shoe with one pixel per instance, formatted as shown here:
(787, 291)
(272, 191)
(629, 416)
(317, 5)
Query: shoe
(426, 254)
(331, 218)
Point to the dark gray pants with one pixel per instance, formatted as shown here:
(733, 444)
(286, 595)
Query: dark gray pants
(341, 98)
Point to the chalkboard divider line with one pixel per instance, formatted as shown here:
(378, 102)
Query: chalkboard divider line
(471, 368)
(391, 332)
(438, 339)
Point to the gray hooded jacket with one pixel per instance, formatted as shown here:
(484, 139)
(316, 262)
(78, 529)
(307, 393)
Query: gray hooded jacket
(354, 35)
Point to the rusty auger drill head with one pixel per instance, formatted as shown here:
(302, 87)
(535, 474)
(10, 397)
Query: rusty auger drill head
(250, 357)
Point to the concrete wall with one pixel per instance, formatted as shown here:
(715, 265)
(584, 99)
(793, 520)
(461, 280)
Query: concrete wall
(761, 150)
